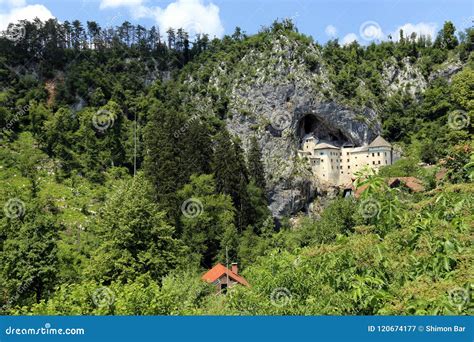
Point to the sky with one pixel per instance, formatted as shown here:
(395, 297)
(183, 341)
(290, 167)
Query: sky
(347, 20)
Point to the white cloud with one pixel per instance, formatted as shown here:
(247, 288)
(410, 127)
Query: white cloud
(349, 38)
(13, 3)
(421, 29)
(331, 31)
(119, 3)
(22, 12)
(192, 15)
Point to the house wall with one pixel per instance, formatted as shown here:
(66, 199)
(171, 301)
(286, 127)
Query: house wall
(223, 280)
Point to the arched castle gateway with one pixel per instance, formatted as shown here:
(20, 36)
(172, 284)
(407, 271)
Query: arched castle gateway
(335, 163)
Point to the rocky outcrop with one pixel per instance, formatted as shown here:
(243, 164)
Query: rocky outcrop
(402, 76)
(408, 77)
(447, 70)
(279, 130)
(278, 95)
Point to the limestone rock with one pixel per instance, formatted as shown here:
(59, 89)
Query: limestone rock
(278, 95)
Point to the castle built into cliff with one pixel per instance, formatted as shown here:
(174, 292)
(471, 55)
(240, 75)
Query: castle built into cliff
(336, 165)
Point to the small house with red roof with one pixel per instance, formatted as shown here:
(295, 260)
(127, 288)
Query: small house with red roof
(223, 278)
(412, 184)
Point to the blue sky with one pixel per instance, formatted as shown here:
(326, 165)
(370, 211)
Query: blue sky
(323, 19)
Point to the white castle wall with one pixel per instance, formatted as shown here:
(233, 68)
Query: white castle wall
(337, 165)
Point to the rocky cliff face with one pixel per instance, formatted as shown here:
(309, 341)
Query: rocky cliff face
(279, 95)
(404, 76)
(281, 91)
(279, 129)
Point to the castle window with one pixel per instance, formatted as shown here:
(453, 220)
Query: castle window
(385, 153)
(379, 162)
(373, 163)
(342, 172)
(321, 153)
(378, 154)
(386, 163)
(348, 166)
(373, 154)
(347, 160)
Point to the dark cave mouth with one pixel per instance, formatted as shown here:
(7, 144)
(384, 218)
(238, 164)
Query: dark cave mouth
(311, 124)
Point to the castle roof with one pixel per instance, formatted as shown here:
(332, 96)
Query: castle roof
(309, 137)
(380, 142)
(323, 146)
(360, 149)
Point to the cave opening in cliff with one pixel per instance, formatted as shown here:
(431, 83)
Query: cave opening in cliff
(311, 124)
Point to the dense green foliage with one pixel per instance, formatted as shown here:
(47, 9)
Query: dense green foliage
(117, 195)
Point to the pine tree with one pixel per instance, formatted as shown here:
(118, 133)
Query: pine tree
(224, 165)
(447, 36)
(206, 220)
(231, 174)
(29, 256)
(197, 144)
(255, 165)
(163, 157)
(134, 237)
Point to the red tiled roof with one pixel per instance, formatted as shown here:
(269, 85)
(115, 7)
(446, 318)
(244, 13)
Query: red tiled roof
(412, 183)
(218, 271)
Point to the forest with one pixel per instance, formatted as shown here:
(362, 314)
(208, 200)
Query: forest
(118, 192)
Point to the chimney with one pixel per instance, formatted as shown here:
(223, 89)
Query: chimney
(235, 268)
